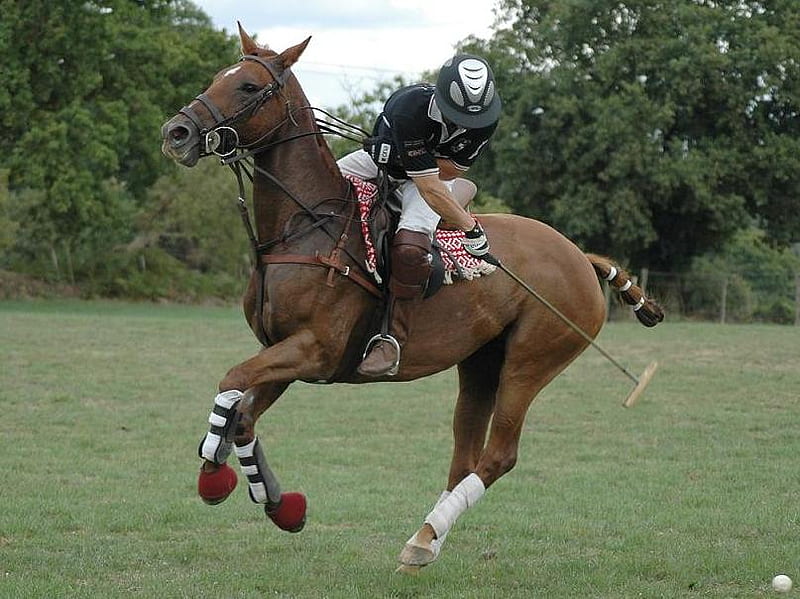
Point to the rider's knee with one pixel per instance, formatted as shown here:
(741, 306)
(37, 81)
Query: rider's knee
(411, 258)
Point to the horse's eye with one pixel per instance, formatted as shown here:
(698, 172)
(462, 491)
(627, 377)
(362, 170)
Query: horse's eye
(249, 88)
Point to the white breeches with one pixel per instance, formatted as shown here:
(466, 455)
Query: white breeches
(416, 214)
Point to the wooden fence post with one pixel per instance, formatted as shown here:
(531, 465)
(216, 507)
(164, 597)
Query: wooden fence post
(724, 301)
(796, 250)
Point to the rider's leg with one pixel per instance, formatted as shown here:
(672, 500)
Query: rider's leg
(411, 266)
(359, 164)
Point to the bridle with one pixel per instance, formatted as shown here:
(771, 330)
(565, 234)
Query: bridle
(221, 138)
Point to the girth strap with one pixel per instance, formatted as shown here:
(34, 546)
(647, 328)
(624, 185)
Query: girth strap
(325, 262)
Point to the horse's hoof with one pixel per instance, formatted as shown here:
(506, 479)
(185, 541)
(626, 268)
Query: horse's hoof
(406, 569)
(417, 554)
(290, 514)
(215, 487)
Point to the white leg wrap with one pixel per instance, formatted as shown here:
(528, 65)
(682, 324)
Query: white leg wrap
(216, 445)
(437, 543)
(262, 484)
(465, 495)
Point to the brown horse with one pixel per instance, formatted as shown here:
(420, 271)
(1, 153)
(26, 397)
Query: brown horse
(310, 301)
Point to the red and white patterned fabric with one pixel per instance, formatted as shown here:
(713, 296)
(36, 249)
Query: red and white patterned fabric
(450, 241)
(366, 193)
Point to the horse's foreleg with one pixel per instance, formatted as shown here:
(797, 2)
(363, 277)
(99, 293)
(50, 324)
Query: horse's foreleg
(299, 357)
(267, 374)
(232, 419)
(233, 428)
(217, 480)
(286, 510)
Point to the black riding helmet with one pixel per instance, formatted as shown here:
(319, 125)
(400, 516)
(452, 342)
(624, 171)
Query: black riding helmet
(465, 92)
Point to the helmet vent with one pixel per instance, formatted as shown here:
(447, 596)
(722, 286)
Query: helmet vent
(456, 95)
(475, 76)
(489, 94)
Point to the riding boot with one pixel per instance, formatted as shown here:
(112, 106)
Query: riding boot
(411, 267)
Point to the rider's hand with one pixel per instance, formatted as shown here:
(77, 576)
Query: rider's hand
(475, 241)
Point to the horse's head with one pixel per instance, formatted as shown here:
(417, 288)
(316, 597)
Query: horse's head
(243, 104)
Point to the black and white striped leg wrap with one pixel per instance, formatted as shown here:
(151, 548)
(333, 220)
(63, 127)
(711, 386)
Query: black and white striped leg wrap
(217, 444)
(262, 484)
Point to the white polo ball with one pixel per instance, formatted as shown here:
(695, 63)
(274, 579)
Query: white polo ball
(782, 583)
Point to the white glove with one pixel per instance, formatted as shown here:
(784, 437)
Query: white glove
(475, 241)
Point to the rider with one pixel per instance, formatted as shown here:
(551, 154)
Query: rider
(425, 138)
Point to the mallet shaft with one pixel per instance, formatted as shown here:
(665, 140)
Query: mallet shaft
(492, 260)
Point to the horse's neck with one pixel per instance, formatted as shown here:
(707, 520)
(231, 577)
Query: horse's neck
(307, 170)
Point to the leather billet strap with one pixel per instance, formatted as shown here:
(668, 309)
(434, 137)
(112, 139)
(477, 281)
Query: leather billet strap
(325, 262)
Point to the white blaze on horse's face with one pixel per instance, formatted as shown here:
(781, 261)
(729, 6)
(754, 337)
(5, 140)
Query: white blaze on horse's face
(231, 71)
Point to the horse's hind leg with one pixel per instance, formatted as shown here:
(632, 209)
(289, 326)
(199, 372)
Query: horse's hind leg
(526, 370)
(497, 458)
(478, 379)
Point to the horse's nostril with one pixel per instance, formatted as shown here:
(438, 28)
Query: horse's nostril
(178, 135)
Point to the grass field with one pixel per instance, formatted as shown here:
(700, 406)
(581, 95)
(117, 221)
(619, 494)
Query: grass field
(694, 492)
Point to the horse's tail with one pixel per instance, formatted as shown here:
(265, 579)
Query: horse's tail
(647, 311)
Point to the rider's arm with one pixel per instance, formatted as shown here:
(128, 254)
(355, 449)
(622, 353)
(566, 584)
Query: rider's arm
(448, 170)
(434, 192)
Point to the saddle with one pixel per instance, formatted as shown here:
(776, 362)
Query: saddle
(379, 209)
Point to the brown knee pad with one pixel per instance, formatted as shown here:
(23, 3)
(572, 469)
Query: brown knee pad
(411, 264)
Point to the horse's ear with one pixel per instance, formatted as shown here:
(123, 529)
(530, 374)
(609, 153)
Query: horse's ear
(248, 44)
(289, 56)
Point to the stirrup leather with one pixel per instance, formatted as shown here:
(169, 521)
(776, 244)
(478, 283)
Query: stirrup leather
(391, 341)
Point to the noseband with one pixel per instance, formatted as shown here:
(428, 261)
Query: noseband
(221, 138)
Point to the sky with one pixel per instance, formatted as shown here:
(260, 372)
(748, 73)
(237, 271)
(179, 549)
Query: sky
(357, 43)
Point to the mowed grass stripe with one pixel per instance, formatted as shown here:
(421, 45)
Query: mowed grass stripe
(691, 493)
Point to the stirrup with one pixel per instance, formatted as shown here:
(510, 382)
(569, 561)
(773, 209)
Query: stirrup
(391, 341)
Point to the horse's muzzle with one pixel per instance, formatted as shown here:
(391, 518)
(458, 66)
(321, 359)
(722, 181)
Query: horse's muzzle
(181, 140)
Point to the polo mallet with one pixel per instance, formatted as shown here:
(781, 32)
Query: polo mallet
(640, 382)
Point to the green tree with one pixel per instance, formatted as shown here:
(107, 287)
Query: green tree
(8, 226)
(193, 215)
(87, 86)
(650, 130)
(759, 278)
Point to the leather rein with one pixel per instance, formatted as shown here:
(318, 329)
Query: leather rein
(222, 140)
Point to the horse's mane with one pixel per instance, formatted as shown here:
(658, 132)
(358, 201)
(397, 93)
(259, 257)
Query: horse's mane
(264, 52)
